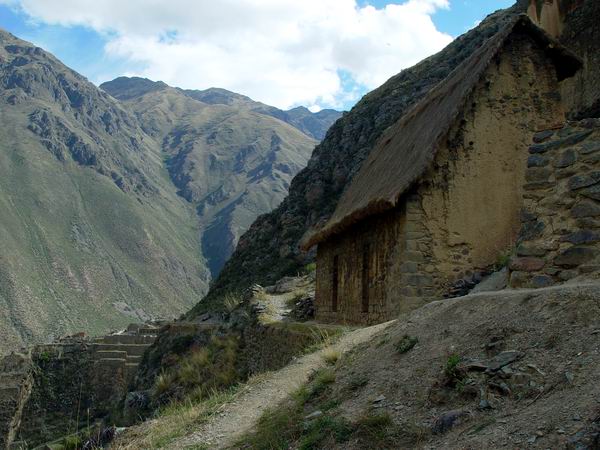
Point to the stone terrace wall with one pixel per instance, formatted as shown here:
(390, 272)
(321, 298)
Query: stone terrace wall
(273, 346)
(560, 235)
(56, 388)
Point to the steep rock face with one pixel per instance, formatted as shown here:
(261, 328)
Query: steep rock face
(581, 33)
(231, 162)
(92, 231)
(269, 250)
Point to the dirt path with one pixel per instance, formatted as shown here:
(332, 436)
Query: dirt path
(242, 414)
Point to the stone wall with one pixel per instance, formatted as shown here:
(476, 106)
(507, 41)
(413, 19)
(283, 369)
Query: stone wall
(16, 380)
(575, 24)
(58, 388)
(560, 234)
(472, 195)
(272, 346)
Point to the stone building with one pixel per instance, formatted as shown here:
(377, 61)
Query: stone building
(440, 195)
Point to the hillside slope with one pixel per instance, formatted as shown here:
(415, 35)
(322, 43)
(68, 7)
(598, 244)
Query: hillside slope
(227, 159)
(269, 250)
(92, 231)
(506, 369)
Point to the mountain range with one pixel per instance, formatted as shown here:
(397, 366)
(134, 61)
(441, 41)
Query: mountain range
(119, 203)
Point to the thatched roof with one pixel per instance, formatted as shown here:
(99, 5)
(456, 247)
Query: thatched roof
(407, 148)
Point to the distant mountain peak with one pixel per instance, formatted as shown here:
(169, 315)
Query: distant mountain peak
(126, 88)
(315, 125)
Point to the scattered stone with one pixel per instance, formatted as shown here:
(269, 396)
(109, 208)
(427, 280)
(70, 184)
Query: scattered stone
(449, 420)
(484, 404)
(569, 377)
(519, 279)
(573, 139)
(379, 399)
(575, 256)
(567, 275)
(581, 237)
(592, 192)
(537, 161)
(532, 229)
(314, 415)
(541, 281)
(502, 387)
(494, 282)
(504, 359)
(531, 250)
(590, 147)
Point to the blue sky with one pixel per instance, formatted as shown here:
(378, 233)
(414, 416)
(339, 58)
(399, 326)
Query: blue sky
(287, 66)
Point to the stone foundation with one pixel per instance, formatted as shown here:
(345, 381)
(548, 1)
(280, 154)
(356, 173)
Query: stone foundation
(57, 388)
(560, 233)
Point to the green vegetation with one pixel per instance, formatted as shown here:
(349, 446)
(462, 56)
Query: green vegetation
(502, 260)
(308, 420)
(200, 372)
(175, 420)
(309, 268)
(454, 375)
(406, 343)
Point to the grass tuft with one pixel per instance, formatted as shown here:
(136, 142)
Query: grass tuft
(331, 356)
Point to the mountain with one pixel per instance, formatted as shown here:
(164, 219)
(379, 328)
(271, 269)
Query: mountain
(312, 124)
(229, 159)
(93, 233)
(119, 203)
(269, 249)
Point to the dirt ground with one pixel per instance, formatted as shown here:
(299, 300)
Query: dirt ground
(525, 371)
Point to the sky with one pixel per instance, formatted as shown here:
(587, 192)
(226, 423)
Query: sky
(286, 53)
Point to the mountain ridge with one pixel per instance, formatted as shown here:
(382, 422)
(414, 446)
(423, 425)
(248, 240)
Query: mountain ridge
(231, 161)
(101, 223)
(314, 125)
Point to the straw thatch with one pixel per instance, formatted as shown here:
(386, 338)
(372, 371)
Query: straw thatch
(408, 147)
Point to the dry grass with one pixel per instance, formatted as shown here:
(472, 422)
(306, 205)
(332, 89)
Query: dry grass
(173, 422)
(331, 356)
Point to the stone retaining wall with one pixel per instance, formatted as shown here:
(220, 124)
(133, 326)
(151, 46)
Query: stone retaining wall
(271, 347)
(560, 234)
(58, 388)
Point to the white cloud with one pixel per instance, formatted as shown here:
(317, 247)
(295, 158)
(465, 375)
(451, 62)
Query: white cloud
(281, 52)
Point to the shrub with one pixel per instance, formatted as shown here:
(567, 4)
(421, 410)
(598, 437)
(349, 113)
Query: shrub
(406, 343)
